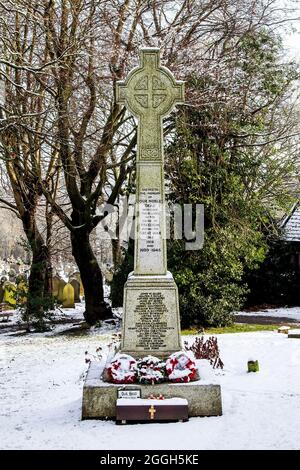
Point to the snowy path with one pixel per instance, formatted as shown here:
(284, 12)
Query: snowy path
(41, 388)
(284, 313)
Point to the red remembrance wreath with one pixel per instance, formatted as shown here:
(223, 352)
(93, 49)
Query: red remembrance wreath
(122, 370)
(180, 368)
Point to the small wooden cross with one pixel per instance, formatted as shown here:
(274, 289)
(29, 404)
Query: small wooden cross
(152, 411)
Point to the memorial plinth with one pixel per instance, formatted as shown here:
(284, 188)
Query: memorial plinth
(151, 324)
(99, 398)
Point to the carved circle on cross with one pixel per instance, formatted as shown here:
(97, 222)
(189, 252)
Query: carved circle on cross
(150, 89)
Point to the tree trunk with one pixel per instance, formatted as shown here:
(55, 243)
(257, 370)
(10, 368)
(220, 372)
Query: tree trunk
(116, 252)
(48, 277)
(49, 270)
(95, 307)
(38, 271)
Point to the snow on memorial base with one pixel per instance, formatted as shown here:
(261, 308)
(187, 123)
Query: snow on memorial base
(99, 397)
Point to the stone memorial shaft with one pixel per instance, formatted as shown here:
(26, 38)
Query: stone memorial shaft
(151, 311)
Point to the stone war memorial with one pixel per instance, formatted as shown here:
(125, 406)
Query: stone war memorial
(151, 312)
(151, 318)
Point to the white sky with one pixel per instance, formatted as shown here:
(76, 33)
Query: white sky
(292, 45)
(291, 40)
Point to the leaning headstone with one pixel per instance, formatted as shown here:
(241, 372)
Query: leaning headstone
(68, 296)
(76, 286)
(9, 293)
(151, 311)
(61, 286)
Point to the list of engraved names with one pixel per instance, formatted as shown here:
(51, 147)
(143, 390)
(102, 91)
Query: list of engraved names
(151, 325)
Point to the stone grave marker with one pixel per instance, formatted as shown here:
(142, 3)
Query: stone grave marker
(68, 296)
(76, 286)
(9, 293)
(61, 286)
(22, 286)
(76, 275)
(151, 313)
(55, 285)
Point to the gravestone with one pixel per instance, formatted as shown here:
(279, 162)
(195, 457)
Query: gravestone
(55, 285)
(76, 286)
(76, 275)
(22, 286)
(9, 293)
(151, 312)
(68, 296)
(61, 286)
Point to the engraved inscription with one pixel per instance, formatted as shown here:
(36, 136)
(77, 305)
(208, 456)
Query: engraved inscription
(151, 326)
(149, 217)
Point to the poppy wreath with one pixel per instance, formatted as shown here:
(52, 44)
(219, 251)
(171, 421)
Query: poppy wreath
(181, 368)
(122, 369)
(151, 370)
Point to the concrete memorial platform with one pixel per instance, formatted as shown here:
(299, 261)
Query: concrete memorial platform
(100, 398)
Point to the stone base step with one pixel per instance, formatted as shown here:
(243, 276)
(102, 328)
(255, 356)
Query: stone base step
(99, 398)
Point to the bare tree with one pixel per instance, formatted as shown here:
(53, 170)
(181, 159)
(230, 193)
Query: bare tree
(69, 54)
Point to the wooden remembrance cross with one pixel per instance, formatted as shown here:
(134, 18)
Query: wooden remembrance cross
(151, 312)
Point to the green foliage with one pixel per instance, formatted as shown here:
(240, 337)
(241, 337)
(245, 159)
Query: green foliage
(35, 310)
(35, 304)
(277, 280)
(228, 152)
(120, 277)
(209, 280)
(221, 157)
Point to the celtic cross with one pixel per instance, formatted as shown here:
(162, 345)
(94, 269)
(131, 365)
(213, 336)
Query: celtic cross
(150, 92)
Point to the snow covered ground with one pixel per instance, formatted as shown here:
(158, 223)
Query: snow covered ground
(41, 379)
(292, 313)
